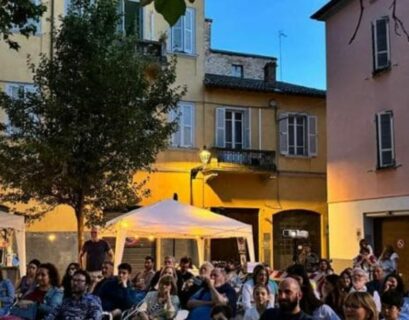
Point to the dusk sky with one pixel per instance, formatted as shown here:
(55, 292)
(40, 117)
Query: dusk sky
(252, 26)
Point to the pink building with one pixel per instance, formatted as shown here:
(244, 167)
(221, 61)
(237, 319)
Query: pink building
(368, 128)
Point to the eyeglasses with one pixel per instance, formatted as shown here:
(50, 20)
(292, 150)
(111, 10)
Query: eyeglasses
(78, 280)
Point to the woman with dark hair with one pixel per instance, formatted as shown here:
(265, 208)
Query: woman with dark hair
(394, 282)
(334, 296)
(27, 282)
(6, 294)
(324, 269)
(162, 304)
(309, 303)
(345, 281)
(360, 306)
(389, 260)
(261, 277)
(261, 298)
(66, 280)
(47, 294)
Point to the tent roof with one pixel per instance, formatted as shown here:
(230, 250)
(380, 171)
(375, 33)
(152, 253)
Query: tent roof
(8, 220)
(171, 219)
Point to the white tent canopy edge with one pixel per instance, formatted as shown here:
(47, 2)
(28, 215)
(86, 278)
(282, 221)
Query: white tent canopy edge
(169, 219)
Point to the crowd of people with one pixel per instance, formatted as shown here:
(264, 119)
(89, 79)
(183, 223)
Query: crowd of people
(217, 292)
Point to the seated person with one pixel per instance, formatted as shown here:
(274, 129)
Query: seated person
(221, 312)
(27, 282)
(260, 276)
(116, 294)
(261, 296)
(183, 278)
(162, 304)
(216, 291)
(45, 297)
(107, 274)
(142, 279)
(7, 294)
(79, 304)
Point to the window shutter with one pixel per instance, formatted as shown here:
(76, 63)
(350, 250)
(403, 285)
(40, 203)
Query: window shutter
(246, 129)
(381, 43)
(169, 40)
(177, 36)
(132, 17)
(67, 5)
(283, 132)
(187, 125)
(121, 21)
(14, 90)
(188, 30)
(312, 136)
(220, 127)
(176, 136)
(385, 139)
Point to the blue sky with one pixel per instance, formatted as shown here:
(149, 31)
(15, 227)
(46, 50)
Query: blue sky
(252, 26)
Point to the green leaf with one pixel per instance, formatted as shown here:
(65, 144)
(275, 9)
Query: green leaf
(171, 10)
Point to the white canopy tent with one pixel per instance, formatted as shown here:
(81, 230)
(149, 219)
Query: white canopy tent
(8, 220)
(171, 219)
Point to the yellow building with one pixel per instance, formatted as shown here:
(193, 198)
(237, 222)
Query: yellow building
(266, 138)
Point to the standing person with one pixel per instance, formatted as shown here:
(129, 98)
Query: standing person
(107, 274)
(378, 280)
(142, 279)
(116, 294)
(289, 298)
(333, 294)
(261, 296)
(162, 304)
(324, 269)
(66, 280)
(392, 303)
(308, 258)
(345, 281)
(7, 294)
(95, 250)
(389, 260)
(360, 306)
(365, 260)
(28, 282)
(80, 304)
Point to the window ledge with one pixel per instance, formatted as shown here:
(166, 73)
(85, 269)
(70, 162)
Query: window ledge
(174, 148)
(292, 156)
(183, 54)
(380, 71)
(391, 167)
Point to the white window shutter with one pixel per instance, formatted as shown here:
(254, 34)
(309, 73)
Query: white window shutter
(220, 127)
(312, 136)
(121, 20)
(169, 40)
(176, 136)
(189, 20)
(177, 36)
(283, 132)
(246, 129)
(187, 125)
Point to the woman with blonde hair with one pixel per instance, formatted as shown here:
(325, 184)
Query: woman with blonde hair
(360, 306)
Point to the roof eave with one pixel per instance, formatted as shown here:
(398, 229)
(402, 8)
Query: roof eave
(326, 11)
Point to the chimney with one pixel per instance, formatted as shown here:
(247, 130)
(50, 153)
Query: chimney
(270, 72)
(208, 35)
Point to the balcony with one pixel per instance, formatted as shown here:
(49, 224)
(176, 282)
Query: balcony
(262, 160)
(152, 49)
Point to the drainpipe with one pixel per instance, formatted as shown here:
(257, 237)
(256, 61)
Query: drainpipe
(52, 31)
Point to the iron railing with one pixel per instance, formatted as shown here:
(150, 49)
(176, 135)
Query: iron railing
(257, 159)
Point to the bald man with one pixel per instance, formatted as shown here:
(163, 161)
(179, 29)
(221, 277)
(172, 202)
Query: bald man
(289, 297)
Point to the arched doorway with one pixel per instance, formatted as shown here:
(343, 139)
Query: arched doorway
(294, 219)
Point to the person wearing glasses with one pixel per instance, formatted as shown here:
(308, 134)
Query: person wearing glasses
(117, 294)
(95, 250)
(80, 304)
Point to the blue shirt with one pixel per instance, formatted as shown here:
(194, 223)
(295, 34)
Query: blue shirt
(7, 296)
(87, 306)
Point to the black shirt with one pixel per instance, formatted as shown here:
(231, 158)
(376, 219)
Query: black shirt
(96, 252)
(277, 314)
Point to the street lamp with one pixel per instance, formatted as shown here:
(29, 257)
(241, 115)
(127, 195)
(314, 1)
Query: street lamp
(204, 156)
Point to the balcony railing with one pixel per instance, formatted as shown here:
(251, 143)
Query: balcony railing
(257, 159)
(153, 49)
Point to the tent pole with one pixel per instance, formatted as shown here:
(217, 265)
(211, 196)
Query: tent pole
(119, 248)
(158, 252)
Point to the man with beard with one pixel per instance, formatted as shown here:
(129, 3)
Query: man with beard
(80, 304)
(289, 296)
(107, 274)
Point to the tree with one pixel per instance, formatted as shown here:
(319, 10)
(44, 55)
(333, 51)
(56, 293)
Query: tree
(171, 10)
(96, 117)
(19, 16)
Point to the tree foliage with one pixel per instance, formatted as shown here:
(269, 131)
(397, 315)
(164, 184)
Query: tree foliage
(171, 10)
(19, 16)
(97, 116)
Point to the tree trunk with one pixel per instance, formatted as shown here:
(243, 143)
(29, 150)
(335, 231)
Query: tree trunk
(80, 229)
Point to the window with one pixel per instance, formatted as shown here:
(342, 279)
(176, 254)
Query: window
(16, 90)
(232, 128)
(184, 115)
(131, 18)
(385, 139)
(298, 134)
(34, 22)
(237, 70)
(381, 48)
(181, 37)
